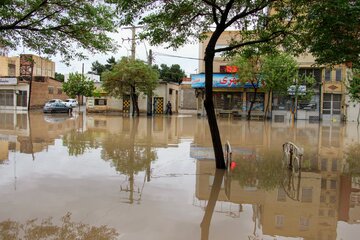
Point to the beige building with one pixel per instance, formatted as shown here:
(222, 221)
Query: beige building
(28, 73)
(163, 93)
(329, 101)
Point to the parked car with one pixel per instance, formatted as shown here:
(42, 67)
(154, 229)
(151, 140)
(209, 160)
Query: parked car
(71, 102)
(56, 107)
(48, 103)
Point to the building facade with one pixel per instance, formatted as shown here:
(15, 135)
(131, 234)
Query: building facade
(328, 101)
(27, 82)
(163, 93)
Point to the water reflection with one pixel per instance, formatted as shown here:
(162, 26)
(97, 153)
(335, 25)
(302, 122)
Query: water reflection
(306, 203)
(95, 166)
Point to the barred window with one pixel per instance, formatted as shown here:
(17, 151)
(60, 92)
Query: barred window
(21, 99)
(327, 74)
(338, 76)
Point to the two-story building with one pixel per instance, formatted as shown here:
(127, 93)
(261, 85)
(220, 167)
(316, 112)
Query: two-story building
(327, 102)
(27, 81)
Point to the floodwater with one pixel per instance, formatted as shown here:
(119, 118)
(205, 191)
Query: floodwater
(113, 177)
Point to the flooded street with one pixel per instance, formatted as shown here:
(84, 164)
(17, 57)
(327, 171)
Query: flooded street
(113, 177)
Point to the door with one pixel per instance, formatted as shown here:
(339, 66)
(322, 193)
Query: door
(332, 107)
(126, 104)
(158, 105)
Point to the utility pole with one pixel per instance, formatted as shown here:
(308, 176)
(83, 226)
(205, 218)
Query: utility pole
(133, 43)
(133, 46)
(149, 97)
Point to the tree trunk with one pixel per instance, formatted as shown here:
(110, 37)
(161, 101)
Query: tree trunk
(78, 97)
(358, 117)
(252, 101)
(209, 104)
(214, 195)
(135, 108)
(267, 105)
(136, 105)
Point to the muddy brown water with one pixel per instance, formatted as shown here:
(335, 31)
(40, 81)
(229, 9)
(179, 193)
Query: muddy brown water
(113, 177)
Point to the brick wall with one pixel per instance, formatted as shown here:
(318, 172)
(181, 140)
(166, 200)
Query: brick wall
(40, 92)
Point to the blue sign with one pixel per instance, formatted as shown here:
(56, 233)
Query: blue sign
(220, 80)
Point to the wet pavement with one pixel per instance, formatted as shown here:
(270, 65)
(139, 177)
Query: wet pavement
(112, 177)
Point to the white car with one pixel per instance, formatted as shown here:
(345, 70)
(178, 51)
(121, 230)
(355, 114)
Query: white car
(71, 102)
(48, 103)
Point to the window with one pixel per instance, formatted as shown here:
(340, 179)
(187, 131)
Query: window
(338, 76)
(323, 183)
(281, 102)
(304, 223)
(101, 102)
(333, 184)
(323, 164)
(11, 69)
(51, 90)
(259, 101)
(281, 197)
(327, 74)
(306, 195)
(228, 101)
(309, 105)
(21, 121)
(279, 221)
(334, 166)
(21, 99)
(6, 98)
(311, 72)
(170, 91)
(59, 91)
(7, 121)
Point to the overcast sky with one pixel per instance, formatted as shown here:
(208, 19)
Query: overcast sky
(123, 38)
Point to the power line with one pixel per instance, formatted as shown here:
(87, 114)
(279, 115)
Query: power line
(176, 56)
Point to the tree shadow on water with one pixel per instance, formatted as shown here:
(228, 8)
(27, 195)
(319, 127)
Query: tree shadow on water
(35, 229)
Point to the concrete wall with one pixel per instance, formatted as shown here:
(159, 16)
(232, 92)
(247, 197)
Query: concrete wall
(43, 67)
(187, 98)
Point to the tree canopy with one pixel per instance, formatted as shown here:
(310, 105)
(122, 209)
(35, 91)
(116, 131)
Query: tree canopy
(333, 36)
(130, 77)
(174, 73)
(273, 72)
(98, 68)
(57, 26)
(178, 22)
(78, 85)
(59, 76)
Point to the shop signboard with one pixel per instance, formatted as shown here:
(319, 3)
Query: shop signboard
(301, 90)
(8, 81)
(220, 80)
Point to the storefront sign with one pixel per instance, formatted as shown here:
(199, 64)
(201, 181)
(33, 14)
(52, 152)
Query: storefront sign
(8, 81)
(300, 90)
(220, 80)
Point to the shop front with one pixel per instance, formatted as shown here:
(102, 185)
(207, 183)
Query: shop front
(13, 95)
(230, 96)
